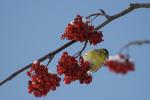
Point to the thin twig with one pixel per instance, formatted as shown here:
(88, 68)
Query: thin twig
(93, 15)
(104, 14)
(78, 54)
(129, 9)
(91, 20)
(50, 59)
(101, 13)
(132, 43)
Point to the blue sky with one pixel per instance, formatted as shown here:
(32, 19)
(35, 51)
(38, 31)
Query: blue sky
(31, 28)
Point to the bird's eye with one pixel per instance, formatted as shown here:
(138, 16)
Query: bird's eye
(101, 52)
(104, 51)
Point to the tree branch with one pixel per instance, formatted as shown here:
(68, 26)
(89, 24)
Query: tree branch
(40, 59)
(137, 42)
(109, 19)
(124, 12)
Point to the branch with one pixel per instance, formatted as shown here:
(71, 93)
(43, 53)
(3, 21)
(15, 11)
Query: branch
(132, 43)
(51, 54)
(109, 19)
(95, 15)
(122, 13)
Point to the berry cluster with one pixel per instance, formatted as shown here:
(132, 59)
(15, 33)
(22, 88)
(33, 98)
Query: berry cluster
(41, 80)
(79, 30)
(73, 69)
(120, 64)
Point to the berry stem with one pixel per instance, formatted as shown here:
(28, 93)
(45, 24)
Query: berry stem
(79, 53)
(50, 59)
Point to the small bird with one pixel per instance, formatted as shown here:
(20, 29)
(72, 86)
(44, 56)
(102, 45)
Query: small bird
(96, 58)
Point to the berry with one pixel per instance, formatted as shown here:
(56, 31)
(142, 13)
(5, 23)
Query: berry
(73, 69)
(120, 64)
(41, 80)
(79, 30)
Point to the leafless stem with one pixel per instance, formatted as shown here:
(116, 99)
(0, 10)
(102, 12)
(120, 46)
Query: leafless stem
(108, 20)
(132, 43)
(78, 54)
(95, 15)
(50, 59)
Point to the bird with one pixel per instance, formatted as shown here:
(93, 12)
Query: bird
(96, 58)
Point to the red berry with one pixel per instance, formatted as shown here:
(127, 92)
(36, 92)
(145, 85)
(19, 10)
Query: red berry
(41, 80)
(73, 69)
(82, 31)
(120, 64)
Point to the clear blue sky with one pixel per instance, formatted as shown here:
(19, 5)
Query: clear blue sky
(31, 28)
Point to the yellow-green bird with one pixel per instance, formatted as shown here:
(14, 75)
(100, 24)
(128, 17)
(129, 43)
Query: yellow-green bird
(96, 58)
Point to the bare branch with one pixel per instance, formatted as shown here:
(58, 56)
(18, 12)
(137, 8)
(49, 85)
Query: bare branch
(132, 43)
(40, 59)
(95, 15)
(124, 12)
(111, 18)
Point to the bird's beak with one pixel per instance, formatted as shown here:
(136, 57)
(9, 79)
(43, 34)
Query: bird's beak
(107, 57)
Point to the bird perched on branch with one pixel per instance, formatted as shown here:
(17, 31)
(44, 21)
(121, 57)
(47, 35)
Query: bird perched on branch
(96, 58)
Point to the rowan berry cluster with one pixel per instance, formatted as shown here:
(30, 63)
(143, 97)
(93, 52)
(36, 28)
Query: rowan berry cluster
(120, 64)
(41, 80)
(73, 69)
(79, 30)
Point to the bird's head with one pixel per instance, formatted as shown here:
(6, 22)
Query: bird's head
(103, 51)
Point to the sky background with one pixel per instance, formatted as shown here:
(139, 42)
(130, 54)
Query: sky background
(30, 29)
